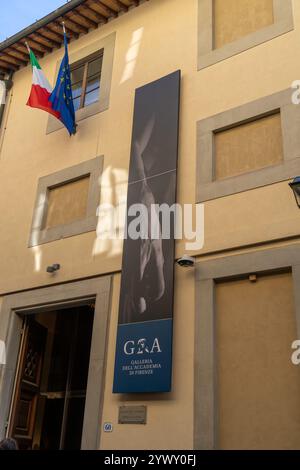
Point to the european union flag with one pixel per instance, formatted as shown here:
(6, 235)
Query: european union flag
(61, 97)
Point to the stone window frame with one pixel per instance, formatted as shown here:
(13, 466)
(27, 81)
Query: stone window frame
(207, 274)
(207, 55)
(47, 299)
(207, 188)
(107, 44)
(40, 235)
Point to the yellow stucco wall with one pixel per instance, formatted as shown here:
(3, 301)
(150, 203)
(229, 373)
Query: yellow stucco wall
(153, 40)
(169, 416)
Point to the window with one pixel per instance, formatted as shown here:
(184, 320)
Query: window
(86, 78)
(234, 19)
(91, 75)
(66, 203)
(229, 27)
(222, 310)
(255, 327)
(248, 147)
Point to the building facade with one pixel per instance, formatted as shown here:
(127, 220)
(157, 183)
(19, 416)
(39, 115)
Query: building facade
(236, 313)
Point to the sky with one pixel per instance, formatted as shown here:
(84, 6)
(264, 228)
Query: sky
(18, 14)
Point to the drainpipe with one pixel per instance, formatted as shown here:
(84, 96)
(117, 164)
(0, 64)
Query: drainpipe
(5, 86)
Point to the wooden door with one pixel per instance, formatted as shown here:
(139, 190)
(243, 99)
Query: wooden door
(28, 384)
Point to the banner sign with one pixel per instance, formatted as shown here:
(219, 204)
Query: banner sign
(144, 341)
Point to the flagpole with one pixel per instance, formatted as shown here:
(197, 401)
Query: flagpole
(27, 45)
(68, 68)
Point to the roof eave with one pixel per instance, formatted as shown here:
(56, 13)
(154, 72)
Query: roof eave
(40, 23)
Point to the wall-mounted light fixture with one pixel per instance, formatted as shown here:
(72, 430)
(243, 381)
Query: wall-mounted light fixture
(295, 185)
(52, 269)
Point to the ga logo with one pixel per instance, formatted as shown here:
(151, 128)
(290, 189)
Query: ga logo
(141, 347)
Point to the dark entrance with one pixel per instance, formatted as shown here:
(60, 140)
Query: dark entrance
(49, 399)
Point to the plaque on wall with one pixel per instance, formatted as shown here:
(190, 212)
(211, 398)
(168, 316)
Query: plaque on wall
(132, 415)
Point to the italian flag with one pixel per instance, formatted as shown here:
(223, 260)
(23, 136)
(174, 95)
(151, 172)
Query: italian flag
(41, 89)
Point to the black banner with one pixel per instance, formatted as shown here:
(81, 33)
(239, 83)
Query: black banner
(144, 344)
